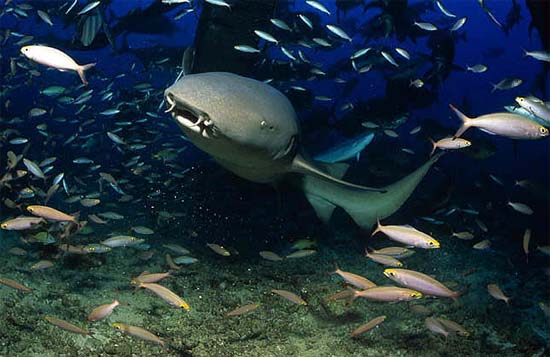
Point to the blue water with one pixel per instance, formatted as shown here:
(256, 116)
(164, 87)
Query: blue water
(165, 183)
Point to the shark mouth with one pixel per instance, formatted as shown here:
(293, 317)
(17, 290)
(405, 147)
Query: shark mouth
(190, 118)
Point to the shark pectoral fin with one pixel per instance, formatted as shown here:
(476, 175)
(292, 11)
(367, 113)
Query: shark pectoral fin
(322, 207)
(301, 165)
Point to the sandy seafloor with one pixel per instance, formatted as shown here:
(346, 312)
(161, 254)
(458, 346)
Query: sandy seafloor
(217, 284)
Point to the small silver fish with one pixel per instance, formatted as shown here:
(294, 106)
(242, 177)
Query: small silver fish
(426, 26)
(266, 36)
(507, 83)
(338, 32)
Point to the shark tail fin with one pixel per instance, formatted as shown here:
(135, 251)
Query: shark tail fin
(466, 121)
(364, 207)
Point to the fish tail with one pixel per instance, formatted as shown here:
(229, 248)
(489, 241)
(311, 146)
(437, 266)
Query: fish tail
(378, 226)
(494, 87)
(524, 52)
(81, 72)
(352, 297)
(434, 146)
(465, 121)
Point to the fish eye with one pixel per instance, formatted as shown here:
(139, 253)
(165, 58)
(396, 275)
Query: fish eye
(543, 130)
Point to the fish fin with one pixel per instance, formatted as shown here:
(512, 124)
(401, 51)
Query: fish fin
(81, 71)
(378, 226)
(524, 52)
(434, 146)
(353, 295)
(465, 121)
(322, 207)
(303, 166)
(487, 131)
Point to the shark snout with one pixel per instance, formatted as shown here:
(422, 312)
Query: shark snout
(188, 117)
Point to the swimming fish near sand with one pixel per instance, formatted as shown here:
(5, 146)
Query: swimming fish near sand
(103, 311)
(387, 294)
(166, 294)
(290, 296)
(139, 333)
(67, 326)
(368, 326)
(421, 282)
(408, 235)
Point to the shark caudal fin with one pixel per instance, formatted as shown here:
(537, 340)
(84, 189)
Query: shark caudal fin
(364, 207)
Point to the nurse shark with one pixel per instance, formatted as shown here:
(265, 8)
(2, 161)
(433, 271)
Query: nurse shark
(251, 129)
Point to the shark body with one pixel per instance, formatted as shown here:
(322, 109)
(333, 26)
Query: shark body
(251, 129)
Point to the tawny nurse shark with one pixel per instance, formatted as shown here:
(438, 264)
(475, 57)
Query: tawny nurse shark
(251, 129)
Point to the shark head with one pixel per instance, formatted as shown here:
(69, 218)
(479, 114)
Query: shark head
(247, 126)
